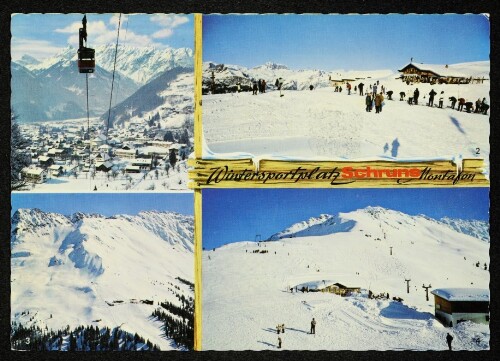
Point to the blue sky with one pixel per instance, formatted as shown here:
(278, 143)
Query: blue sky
(350, 42)
(232, 215)
(106, 204)
(44, 35)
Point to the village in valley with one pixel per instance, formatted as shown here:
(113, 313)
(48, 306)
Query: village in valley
(140, 157)
(114, 117)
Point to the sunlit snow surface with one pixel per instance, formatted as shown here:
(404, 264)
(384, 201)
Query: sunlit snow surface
(246, 294)
(72, 271)
(327, 124)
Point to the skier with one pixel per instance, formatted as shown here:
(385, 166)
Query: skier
(461, 103)
(449, 338)
(378, 103)
(431, 97)
(453, 102)
(278, 329)
(441, 98)
(401, 96)
(238, 87)
(484, 107)
(264, 86)
(374, 90)
(478, 106)
(368, 102)
(279, 342)
(313, 326)
(282, 328)
(389, 94)
(416, 93)
(348, 86)
(360, 87)
(469, 106)
(280, 86)
(254, 89)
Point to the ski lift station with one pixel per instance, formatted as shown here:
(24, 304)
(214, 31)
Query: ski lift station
(454, 305)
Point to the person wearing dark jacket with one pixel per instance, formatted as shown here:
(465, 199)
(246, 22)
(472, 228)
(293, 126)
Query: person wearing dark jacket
(453, 102)
(360, 87)
(449, 338)
(461, 103)
(484, 107)
(402, 96)
(416, 93)
(389, 94)
(368, 102)
(254, 88)
(313, 326)
(431, 97)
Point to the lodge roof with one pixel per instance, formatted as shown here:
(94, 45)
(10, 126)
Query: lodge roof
(462, 294)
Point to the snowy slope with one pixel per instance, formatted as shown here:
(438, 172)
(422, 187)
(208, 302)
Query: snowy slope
(327, 124)
(95, 270)
(246, 294)
(170, 95)
(477, 229)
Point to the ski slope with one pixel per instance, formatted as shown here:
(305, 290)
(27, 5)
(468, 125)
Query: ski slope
(325, 124)
(246, 294)
(96, 270)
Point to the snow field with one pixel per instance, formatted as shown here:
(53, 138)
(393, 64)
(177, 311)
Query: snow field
(245, 295)
(323, 123)
(106, 267)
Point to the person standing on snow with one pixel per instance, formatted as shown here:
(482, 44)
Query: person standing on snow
(254, 89)
(416, 93)
(263, 86)
(348, 86)
(368, 102)
(453, 102)
(484, 107)
(279, 84)
(374, 90)
(279, 342)
(441, 98)
(449, 338)
(379, 98)
(360, 87)
(461, 103)
(313, 326)
(431, 97)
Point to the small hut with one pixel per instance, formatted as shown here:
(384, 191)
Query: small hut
(454, 305)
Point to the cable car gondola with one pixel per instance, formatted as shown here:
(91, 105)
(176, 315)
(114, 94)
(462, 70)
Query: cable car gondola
(86, 56)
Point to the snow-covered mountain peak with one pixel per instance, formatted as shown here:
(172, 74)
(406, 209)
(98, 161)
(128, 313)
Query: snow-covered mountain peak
(32, 218)
(474, 228)
(272, 66)
(27, 60)
(315, 226)
(79, 216)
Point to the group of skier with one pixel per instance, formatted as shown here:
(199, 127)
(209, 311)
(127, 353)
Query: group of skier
(259, 85)
(280, 328)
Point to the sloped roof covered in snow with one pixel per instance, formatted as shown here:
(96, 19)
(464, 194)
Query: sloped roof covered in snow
(316, 285)
(465, 70)
(462, 294)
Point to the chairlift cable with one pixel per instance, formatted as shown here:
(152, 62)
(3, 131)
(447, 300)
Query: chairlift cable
(113, 78)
